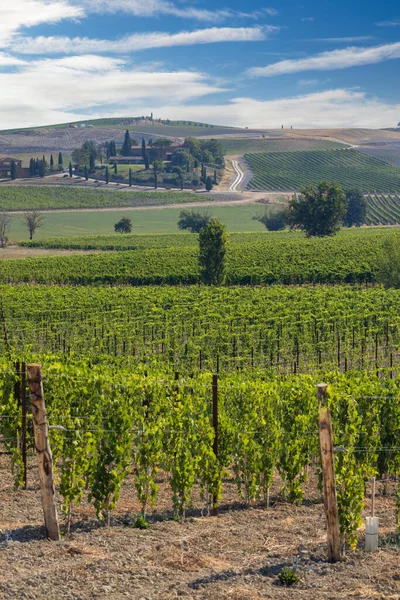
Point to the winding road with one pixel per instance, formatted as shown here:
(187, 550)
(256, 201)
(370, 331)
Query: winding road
(239, 176)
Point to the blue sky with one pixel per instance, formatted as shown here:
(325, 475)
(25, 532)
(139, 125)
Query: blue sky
(307, 64)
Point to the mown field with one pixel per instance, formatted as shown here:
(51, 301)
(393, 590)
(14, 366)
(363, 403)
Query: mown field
(293, 170)
(389, 154)
(244, 146)
(288, 258)
(14, 197)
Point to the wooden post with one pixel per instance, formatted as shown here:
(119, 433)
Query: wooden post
(328, 474)
(215, 426)
(23, 423)
(43, 451)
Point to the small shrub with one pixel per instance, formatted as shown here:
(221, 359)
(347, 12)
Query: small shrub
(141, 523)
(288, 576)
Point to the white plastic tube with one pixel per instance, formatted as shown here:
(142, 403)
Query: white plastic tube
(371, 534)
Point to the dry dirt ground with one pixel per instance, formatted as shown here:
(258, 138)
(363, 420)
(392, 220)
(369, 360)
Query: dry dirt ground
(235, 556)
(21, 252)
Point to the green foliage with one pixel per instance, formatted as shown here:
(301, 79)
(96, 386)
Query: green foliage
(193, 220)
(82, 155)
(213, 244)
(274, 221)
(141, 523)
(356, 212)
(294, 170)
(388, 263)
(319, 211)
(123, 226)
(209, 184)
(288, 577)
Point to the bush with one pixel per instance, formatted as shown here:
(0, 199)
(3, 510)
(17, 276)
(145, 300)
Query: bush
(288, 576)
(275, 221)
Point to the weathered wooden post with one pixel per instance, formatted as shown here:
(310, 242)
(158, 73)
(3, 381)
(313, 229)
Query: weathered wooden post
(215, 426)
(43, 451)
(328, 475)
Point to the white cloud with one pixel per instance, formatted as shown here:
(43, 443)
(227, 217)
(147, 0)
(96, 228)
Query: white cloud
(335, 108)
(308, 19)
(308, 82)
(28, 13)
(394, 23)
(45, 91)
(137, 42)
(356, 38)
(149, 8)
(6, 60)
(326, 61)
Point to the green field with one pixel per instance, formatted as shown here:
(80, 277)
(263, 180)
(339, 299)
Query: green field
(286, 258)
(349, 168)
(244, 146)
(68, 223)
(21, 197)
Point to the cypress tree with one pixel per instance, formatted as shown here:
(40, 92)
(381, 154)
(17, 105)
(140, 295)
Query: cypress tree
(115, 168)
(32, 167)
(181, 180)
(126, 146)
(146, 162)
(91, 161)
(60, 159)
(13, 172)
(70, 169)
(144, 150)
(130, 177)
(86, 173)
(107, 176)
(51, 162)
(215, 177)
(155, 179)
(42, 167)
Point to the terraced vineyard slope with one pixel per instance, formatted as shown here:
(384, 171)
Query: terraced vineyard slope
(289, 171)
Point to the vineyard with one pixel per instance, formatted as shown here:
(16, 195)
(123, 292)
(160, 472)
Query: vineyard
(64, 197)
(278, 144)
(383, 209)
(286, 171)
(284, 258)
(190, 329)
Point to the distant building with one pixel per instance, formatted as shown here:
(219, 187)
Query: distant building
(5, 167)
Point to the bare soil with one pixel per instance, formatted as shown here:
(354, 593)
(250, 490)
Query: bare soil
(235, 556)
(21, 252)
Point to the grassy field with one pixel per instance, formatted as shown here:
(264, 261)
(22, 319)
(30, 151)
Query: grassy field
(349, 168)
(51, 197)
(236, 218)
(243, 146)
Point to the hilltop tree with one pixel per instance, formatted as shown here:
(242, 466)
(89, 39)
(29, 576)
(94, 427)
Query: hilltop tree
(123, 226)
(213, 243)
(356, 208)
(34, 219)
(319, 211)
(192, 220)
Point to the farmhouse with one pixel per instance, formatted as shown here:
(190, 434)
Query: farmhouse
(5, 166)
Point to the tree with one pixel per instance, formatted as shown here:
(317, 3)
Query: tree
(209, 184)
(193, 220)
(86, 173)
(319, 211)
(70, 169)
(42, 167)
(127, 145)
(13, 171)
(107, 175)
(32, 167)
(51, 162)
(130, 177)
(388, 263)
(144, 151)
(81, 156)
(356, 208)
(115, 169)
(33, 220)
(60, 160)
(123, 226)
(213, 243)
(92, 162)
(215, 177)
(274, 221)
(5, 226)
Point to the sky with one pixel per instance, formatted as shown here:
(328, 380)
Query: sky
(306, 64)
